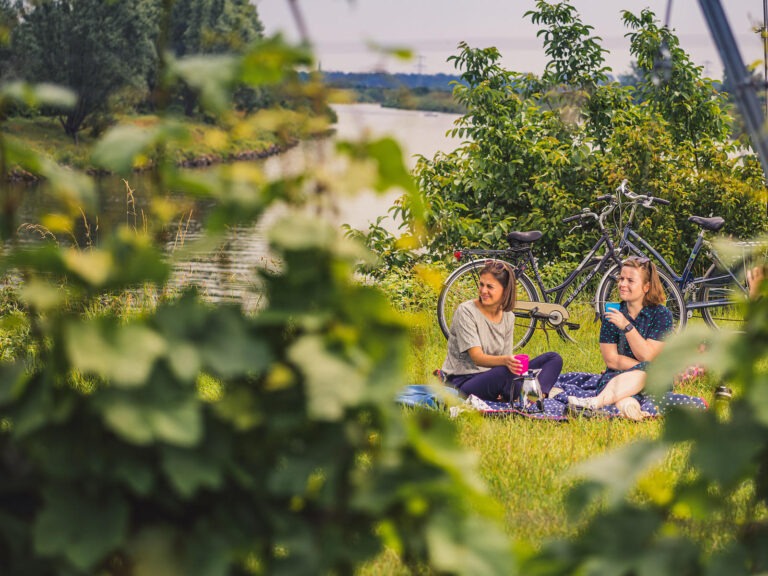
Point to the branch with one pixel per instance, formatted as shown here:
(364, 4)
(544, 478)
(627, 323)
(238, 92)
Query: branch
(299, 18)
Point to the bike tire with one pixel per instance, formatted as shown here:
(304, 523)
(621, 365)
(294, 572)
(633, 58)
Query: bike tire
(461, 286)
(608, 292)
(582, 308)
(717, 288)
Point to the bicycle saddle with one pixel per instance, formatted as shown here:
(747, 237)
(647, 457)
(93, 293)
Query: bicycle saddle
(713, 224)
(527, 237)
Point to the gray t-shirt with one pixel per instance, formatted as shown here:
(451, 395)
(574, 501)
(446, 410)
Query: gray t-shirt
(470, 328)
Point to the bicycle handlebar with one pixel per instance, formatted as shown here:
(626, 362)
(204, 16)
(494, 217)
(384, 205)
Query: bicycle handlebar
(643, 199)
(580, 216)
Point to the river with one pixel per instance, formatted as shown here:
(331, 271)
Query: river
(418, 133)
(229, 272)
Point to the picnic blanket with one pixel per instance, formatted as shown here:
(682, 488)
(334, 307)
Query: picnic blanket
(585, 385)
(580, 384)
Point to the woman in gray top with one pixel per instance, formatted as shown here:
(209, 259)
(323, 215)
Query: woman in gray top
(480, 359)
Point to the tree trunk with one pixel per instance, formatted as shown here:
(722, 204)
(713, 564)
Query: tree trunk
(189, 97)
(73, 123)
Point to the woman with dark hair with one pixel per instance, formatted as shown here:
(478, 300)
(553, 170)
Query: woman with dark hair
(630, 337)
(480, 360)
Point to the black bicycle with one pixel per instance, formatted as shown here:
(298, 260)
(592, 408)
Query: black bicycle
(712, 284)
(563, 307)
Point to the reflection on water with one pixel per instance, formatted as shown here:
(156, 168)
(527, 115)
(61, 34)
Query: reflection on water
(228, 273)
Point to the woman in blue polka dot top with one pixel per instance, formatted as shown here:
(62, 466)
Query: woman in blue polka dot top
(630, 337)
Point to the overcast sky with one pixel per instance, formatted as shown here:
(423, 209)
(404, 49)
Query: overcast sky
(341, 30)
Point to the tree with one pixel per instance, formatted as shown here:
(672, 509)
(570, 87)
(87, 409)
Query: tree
(673, 84)
(8, 22)
(539, 149)
(93, 47)
(211, 27)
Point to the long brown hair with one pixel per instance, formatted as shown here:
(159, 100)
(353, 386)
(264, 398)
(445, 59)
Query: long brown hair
(504, 275)
(655, 294)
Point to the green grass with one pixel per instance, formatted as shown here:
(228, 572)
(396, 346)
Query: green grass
(205, 142)
(528, 464)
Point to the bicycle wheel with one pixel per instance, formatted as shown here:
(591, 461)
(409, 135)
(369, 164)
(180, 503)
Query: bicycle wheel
(726, 297)
(608, 291)
(579, 299)
(461, 286)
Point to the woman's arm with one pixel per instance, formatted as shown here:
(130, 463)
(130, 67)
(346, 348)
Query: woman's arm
(480, 358)
(644, 349)
(614, 360)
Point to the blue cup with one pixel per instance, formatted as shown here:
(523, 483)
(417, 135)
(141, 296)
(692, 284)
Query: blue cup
(609, 306)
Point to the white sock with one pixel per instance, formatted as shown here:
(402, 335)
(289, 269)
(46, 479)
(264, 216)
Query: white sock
(590, 403)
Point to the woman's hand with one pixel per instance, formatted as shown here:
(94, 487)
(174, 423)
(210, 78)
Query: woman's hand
(513, 365)
(480, 358)
(617, 318)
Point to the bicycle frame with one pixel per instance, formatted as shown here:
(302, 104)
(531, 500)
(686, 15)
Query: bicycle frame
(610, 254)
(524, 260)
(685, 281)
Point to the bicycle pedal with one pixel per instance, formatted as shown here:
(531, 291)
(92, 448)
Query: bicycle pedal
(572, 326)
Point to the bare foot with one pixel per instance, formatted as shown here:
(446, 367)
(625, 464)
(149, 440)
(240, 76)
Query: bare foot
(630, 408)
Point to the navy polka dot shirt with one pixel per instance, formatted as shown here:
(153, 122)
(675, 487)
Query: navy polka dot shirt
(653, 322)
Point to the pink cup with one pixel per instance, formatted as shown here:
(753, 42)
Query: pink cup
(523, 359)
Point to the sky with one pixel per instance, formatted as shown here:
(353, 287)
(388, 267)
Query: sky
(342, 31)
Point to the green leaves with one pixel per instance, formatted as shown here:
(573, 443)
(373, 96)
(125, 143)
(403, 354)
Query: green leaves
(123, 355)
(467, 546)
(118, 150)
(153, 416)
(212, 76)
(36, 95)
(190, 471)
(332, 385)
(81, 527)
(618, 471)
(153, 430)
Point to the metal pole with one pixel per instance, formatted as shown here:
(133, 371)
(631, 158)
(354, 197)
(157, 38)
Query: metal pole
(764, 37)
(744, 89)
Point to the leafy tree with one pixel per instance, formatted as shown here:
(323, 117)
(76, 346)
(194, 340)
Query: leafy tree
(212, 27)
(93, 47)
(575, 56)
(672, 84)
(539, 149)
(8, 21)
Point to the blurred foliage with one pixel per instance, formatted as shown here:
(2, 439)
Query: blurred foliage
(644, 528)
(189, 438)
(538, 149)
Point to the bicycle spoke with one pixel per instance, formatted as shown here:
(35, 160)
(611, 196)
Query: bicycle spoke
(580, 303)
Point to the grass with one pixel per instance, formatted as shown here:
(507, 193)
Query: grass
(528, 465)
(206, 143)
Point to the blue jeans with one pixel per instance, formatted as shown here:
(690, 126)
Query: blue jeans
(499, 383)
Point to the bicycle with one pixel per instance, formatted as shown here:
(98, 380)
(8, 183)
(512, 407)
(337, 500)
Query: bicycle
(535, 302)
(716, 294)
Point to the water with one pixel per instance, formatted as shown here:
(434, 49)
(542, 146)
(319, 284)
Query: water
(228, 273)
(418, 133)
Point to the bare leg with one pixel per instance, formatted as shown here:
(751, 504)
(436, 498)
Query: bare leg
(622, 386)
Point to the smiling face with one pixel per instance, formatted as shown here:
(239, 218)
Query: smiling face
(633, 285)
(490, 291)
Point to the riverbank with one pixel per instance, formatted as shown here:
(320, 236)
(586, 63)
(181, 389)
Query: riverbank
(204, 145)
